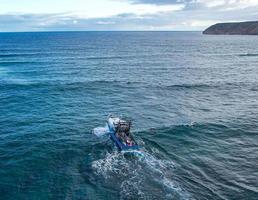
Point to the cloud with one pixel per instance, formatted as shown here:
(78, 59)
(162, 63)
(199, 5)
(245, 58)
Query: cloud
(141, 15)
(229, 4)
(137, 9)
(162, 2)
(200, 4)
(107, 22)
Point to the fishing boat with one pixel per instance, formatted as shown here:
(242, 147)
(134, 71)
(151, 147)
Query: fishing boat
(119, 131)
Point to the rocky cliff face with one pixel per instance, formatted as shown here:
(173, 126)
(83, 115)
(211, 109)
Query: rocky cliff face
(238, 28)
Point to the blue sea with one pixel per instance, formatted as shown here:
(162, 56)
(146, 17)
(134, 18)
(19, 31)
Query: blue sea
(192, 99)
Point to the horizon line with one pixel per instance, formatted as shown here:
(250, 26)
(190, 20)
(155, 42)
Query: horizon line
(49, 31)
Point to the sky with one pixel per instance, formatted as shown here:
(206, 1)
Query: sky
(83, 15)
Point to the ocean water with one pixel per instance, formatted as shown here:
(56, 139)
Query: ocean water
(193, 100)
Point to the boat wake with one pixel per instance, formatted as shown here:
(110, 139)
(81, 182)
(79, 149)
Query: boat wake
(137, 173)
(138, 177)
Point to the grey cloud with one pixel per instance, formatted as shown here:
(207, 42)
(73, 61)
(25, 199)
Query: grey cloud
(189, 19)
(162, 2)
(199, 4)
(188, 4)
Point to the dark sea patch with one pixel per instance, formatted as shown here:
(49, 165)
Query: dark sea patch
(21, 62)
(16, 55)
(254, 88)
(191, 86)
(66, 86)
(248, 55)
(216, 143)
(210, 86)
(109, 57)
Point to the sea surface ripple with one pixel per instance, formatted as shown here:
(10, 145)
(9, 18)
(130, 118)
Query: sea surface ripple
(193, 100)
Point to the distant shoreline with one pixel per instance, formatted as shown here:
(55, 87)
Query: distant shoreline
(234, 28)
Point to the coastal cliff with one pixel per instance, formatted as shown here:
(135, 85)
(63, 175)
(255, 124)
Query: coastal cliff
(237, 28)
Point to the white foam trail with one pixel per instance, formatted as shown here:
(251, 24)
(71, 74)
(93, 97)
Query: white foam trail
(108, 166)
(100, 131)
(136, 177)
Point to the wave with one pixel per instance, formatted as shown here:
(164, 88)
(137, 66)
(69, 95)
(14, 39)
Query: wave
(114, 84)
(109, 57)
(122, 57)
(255, 88)
(11, 55)
(248, 55)
(204, 86)
(21, 62)
(4, 70)
(63, 85)
(191, 86)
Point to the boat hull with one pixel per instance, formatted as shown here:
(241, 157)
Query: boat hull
(112, 132)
